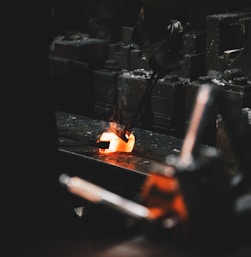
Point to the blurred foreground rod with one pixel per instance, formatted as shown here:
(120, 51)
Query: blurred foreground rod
(99, 195)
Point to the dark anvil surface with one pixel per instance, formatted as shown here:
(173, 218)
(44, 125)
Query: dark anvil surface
(149, 147)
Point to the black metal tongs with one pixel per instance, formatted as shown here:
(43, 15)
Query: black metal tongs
(125, 132)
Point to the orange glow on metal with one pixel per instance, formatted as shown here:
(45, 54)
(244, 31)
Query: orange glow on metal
(163, 197)
(116, 143)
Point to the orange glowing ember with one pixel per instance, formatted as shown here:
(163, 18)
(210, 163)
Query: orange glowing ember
(116, 144)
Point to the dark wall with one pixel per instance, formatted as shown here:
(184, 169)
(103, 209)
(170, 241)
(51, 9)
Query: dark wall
(102, 19)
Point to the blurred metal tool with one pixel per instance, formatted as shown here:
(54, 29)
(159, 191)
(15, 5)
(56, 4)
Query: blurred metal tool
(98, 195)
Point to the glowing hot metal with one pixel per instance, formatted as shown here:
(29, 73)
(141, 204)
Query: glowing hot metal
(116, 144)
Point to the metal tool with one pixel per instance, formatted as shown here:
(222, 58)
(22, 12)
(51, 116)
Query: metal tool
(69, 140)
(125, 132)
(99, 195)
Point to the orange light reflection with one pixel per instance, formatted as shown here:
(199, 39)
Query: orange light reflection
(163, 196)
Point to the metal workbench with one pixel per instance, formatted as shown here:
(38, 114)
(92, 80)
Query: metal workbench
(108, 234)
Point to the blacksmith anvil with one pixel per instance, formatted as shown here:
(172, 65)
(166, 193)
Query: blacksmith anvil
(192, 195)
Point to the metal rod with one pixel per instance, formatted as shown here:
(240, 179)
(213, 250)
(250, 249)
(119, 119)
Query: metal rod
(99, 195)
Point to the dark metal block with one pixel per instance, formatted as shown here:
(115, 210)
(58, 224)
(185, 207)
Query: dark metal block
(192, 66)
(194, 42)
(90, 50)
(241, 87)
(223, 141)
(104, 111)
(164, 130)
(127, 34)
(65, 67)
(115, 52)
(193, 62)
(58, 66)
(161, 119)
(105, 85)
(171, 89)
(122, 53)
(228, 41)
(138, 60)
(131, 88)
(167, 103)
